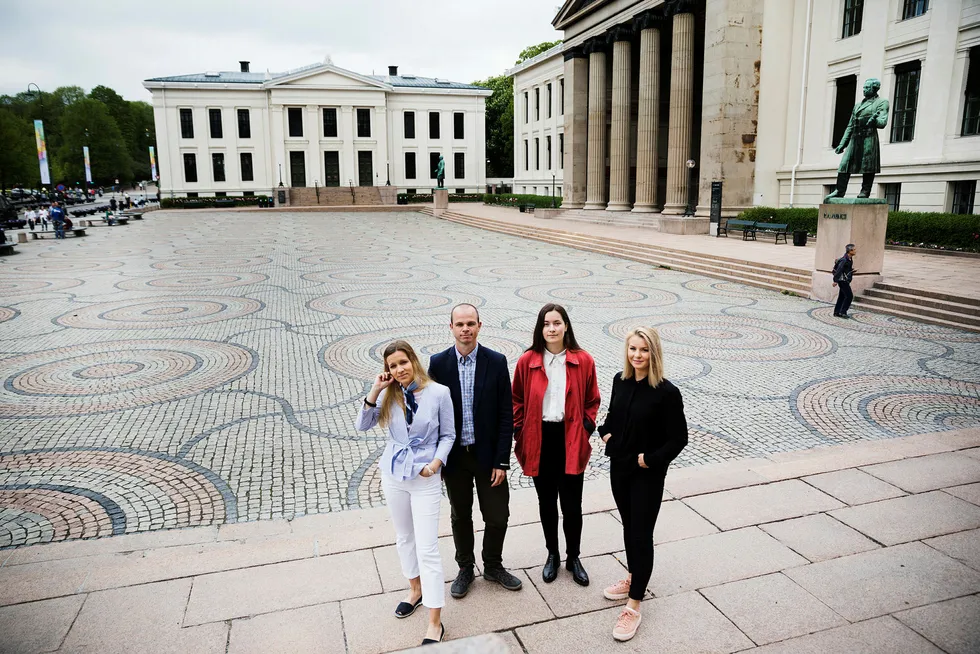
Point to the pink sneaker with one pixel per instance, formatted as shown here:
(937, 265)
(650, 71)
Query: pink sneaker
(626, 626)
(618, 591)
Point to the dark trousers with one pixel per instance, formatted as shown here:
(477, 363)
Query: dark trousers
(553, 485)
(638, 493)
(59, 229)
(494, 506)
(844, 298)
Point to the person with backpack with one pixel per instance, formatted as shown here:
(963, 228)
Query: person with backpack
(58, 220)
(843, 272)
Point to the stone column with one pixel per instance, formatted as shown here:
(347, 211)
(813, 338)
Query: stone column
(648, 115)
(596, 188)
(576, 129)
(619, 140)
(681, 108)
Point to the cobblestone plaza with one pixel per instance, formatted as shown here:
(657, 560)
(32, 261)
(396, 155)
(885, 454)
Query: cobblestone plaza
(202, 368)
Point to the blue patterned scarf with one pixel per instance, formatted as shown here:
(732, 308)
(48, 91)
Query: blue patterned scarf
(411, 406)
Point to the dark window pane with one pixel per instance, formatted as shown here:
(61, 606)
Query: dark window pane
(458, 122)
(248, 194)
(244, 124)
(433, 124)
(547, 143)
(537, 103)
(192, 195)
(853, 15)
(295, 115)
(409, 124)
(963, 193)
(433, 164)
(190, 167)
(186, 123)
(526, 106)
(537, 153)
(561, 151)
(330, 122)
(218, 166)
(331, 168)
(409, 165)
(297, 168)
(561, 95)
(971, 104)
(459, 167)
(221, 194)
(906, 99)
(913, 8)
(893, 195)
(526, 156)
(549, 100)
(844, 105)
(214, 117)
(247, 173)
(363, 124)
(365, 168)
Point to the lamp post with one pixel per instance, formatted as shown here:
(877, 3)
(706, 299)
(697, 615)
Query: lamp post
(387, 173)
(691, 164)
(40, 100)
(553, 177)
(280, 175)
(316, 188)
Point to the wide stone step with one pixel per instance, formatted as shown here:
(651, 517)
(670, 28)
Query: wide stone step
(915, 311)
(923, 301)
(936, 295)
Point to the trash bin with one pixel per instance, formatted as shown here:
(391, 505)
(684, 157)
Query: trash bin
(799, 237)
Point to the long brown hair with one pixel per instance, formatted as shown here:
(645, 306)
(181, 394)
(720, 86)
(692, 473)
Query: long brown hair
(537, 339)
(394, 396)
(655, 371)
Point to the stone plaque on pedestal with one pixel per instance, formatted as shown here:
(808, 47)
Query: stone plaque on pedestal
(840, 222)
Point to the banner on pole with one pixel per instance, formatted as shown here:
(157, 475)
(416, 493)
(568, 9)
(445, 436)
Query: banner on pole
(153, 164)
(88, 165)
(42, 152)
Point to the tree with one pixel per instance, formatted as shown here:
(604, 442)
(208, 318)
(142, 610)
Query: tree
(532, 51)
(18, 160)
(500, 125)
(107, 148)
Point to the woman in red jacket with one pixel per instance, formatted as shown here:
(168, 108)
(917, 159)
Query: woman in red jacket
(556, 399)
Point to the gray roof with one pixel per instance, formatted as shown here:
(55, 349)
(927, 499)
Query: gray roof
(223, 77)
(425, 82)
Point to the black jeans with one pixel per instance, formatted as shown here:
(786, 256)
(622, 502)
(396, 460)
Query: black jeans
(494, 506)
(552, 485)
(638, 493)
(844, 298)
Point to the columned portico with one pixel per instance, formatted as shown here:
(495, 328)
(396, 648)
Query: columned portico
(576, 128)
(648, 119)
(680, 119)
(619, 145)
(596, 172)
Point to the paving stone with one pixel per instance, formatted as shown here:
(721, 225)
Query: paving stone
(853, 486)
(678, 521)
(758, 504)
(390, 570)
(963, 546)
(818, 537)
(910, 518)
(256, 529)
(314, 629)
(929, 472)
(37, 581)
(772, 608)
(973, 452)
(565, 597)
(505, 643)
(711, 478)
(524, 547)
(953, 624)
(37, 626)
(883, 635)
(874, 583)
(269, 588)
(681, 623)
(968, 492)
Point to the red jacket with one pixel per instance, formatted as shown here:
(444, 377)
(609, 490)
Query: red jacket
(581, 407)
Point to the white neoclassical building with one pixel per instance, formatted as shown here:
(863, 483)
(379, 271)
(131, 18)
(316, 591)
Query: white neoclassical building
(233, 133)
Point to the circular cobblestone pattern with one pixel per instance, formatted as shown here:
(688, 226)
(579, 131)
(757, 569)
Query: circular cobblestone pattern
(159, 314)
(192, 282)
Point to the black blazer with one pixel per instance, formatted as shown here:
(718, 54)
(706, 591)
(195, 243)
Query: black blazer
(493, 408)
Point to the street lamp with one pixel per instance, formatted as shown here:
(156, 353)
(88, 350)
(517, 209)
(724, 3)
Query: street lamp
(316, 187)
(691, 164)
(553, 199)
(40, 100)
(387, 173)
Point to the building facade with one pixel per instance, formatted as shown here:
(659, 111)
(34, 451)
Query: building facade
(233, 133)
(539, 123)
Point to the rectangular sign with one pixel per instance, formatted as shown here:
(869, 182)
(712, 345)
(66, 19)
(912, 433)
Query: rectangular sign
(716, 191)
(88, 165)
(153, 164)
(42, 152)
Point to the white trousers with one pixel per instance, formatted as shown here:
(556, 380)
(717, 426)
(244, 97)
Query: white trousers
(414, 507)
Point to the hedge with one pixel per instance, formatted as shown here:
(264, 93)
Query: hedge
(425, 198)
(917, 229)
(197, 203)
(515, 199)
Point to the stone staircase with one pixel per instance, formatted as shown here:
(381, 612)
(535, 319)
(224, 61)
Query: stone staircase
(617, 218)
(762, 275)
(334, 196)
(925, 306)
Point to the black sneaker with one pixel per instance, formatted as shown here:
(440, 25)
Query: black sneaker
(502, 577)
(461, 585)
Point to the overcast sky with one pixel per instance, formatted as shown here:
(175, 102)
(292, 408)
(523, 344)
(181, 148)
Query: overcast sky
(119, 43)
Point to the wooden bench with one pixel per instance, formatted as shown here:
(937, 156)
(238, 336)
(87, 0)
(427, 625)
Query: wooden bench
(776, 229)
(7, 248)
(75, 231)
(747, 227)
(526, 208)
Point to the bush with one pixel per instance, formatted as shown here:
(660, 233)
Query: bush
(516, 199)
(424, 198)
(198, 203)
(796, 218)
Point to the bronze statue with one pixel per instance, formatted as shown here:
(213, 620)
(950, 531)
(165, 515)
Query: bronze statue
(440, 171)
(863, 153)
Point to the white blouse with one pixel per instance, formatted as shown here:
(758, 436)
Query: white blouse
(554, 395)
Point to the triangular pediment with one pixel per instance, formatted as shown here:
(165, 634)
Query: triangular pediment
(576, 8)
(326, 76)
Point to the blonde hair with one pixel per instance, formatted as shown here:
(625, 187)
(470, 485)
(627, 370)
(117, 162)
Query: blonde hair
(391, 399)
(655, 372)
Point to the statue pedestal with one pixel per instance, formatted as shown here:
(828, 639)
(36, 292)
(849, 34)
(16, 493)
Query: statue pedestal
(844, 221)
(440, 199)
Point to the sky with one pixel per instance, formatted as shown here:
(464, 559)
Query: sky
(120, 43)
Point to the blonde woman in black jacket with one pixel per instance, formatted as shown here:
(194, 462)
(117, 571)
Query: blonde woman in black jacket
(645, 429)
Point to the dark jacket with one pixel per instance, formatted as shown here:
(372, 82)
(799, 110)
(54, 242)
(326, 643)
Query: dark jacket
(843, 270)
(644, 420)
(493, 412)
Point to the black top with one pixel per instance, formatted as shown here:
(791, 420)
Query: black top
(843, 269)
(644, 420)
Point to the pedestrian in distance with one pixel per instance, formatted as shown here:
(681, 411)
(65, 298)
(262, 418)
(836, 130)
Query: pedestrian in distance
(418, 414)
(843, 273)
(556, 399)
(43, 213)
(112, 204)
(645, 429)
(479, 384)
(58, 220)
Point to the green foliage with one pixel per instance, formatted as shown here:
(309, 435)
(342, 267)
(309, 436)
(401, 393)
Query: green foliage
(517, 199)
(796, 218)
(534, 50)
(107, 150)
(424, 198)
(201, 203)
(500, 125)
(17, 153)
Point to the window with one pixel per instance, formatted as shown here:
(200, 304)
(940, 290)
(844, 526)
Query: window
(186, 124)
(331, 168)
(913, 8)
(190, 167)
(893, 195)
(534, 190)
(526, 107)
(433, 124)
(192, 195)
(433, 164)
(547, 145)
(458, 119)
(537, 153)
(537, 103)
(297, 169)
(459, 168)
(460, 191)
(971, 105)
(526, 155)
(218, 166)
(843, 105)
(365, 168)
(561, 151)
(214, 118)
(248, 194)
(410, 165)
(221, 194)
(409, 124)
(963, 193)
(246, 159)
(549, 99)
(244, 124)
(364, 124)
(561, 96)
(853, 13)
(330, 122)
(906, 98)
(295, 116)
(411, 191)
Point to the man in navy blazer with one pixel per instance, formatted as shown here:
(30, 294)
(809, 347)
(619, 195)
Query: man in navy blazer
(479, 383)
